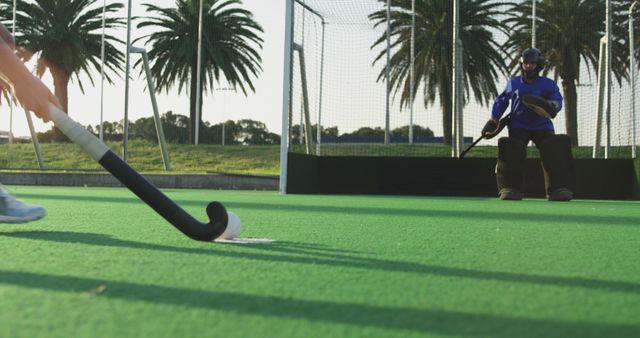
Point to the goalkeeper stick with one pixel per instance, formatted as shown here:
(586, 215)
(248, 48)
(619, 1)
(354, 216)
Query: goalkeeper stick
(464, 152)
(501, 124)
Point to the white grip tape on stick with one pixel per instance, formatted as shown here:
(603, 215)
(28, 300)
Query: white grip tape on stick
(78, 134)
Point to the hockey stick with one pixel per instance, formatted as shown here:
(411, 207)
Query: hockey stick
(146, 191)
(501, 124)
(464, 152)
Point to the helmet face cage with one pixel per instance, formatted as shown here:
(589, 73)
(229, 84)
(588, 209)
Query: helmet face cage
(532, 56)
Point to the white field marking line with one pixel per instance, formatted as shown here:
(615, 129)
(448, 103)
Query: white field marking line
(247, 240)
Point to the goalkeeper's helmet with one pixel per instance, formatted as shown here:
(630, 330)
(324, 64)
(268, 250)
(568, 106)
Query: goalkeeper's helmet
(532, 56)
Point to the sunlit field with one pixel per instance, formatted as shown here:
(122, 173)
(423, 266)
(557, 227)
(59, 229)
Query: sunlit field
(103, 264)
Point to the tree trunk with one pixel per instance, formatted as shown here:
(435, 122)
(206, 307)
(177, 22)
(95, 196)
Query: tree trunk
(445, 104)
(571, 109)
(192, 105)
(193, 84)
(60, 84)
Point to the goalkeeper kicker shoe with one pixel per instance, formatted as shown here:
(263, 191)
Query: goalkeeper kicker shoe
(16, 211)
(561, 194)
(510, 194)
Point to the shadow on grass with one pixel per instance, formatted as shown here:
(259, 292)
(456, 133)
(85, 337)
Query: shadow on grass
(396, 318)
(608, 219)
(297, 253)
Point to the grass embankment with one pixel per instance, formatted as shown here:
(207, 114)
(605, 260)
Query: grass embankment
(253, 160)
(146, 157)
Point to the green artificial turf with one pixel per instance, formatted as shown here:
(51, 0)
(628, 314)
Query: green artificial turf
(103, 264)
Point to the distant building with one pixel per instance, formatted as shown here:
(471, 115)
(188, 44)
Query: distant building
(5, 136)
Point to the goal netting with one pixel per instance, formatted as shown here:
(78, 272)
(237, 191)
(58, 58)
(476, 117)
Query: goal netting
(340, 102)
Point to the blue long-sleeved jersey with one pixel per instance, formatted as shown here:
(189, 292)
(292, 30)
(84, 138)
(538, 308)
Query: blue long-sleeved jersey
(521, 116)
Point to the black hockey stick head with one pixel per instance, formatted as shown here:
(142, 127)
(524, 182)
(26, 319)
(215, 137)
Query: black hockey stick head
(218, 217)
(166, 207)
(218, 221)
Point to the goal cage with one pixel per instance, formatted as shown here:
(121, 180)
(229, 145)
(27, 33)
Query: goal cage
(338, 99)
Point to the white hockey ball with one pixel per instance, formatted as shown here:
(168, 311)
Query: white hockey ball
(233, 226)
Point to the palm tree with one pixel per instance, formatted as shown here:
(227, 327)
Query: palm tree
(65, 36)
(229, 39)
(483, 62)
(568, 32)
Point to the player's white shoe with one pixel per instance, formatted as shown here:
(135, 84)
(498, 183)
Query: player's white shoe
(16, 211)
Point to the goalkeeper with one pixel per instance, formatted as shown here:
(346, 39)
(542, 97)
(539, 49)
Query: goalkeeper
(535, 100)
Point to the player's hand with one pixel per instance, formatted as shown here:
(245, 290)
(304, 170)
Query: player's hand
(490, 128)
(33, 95)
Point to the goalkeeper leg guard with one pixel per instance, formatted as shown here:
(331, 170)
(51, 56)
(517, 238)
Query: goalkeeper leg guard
(557, 164)
(512, 156)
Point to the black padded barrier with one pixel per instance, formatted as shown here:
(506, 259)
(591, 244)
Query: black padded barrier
(434, 176)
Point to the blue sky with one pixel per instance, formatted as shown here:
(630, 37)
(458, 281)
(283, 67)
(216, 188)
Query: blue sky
(264, 105)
